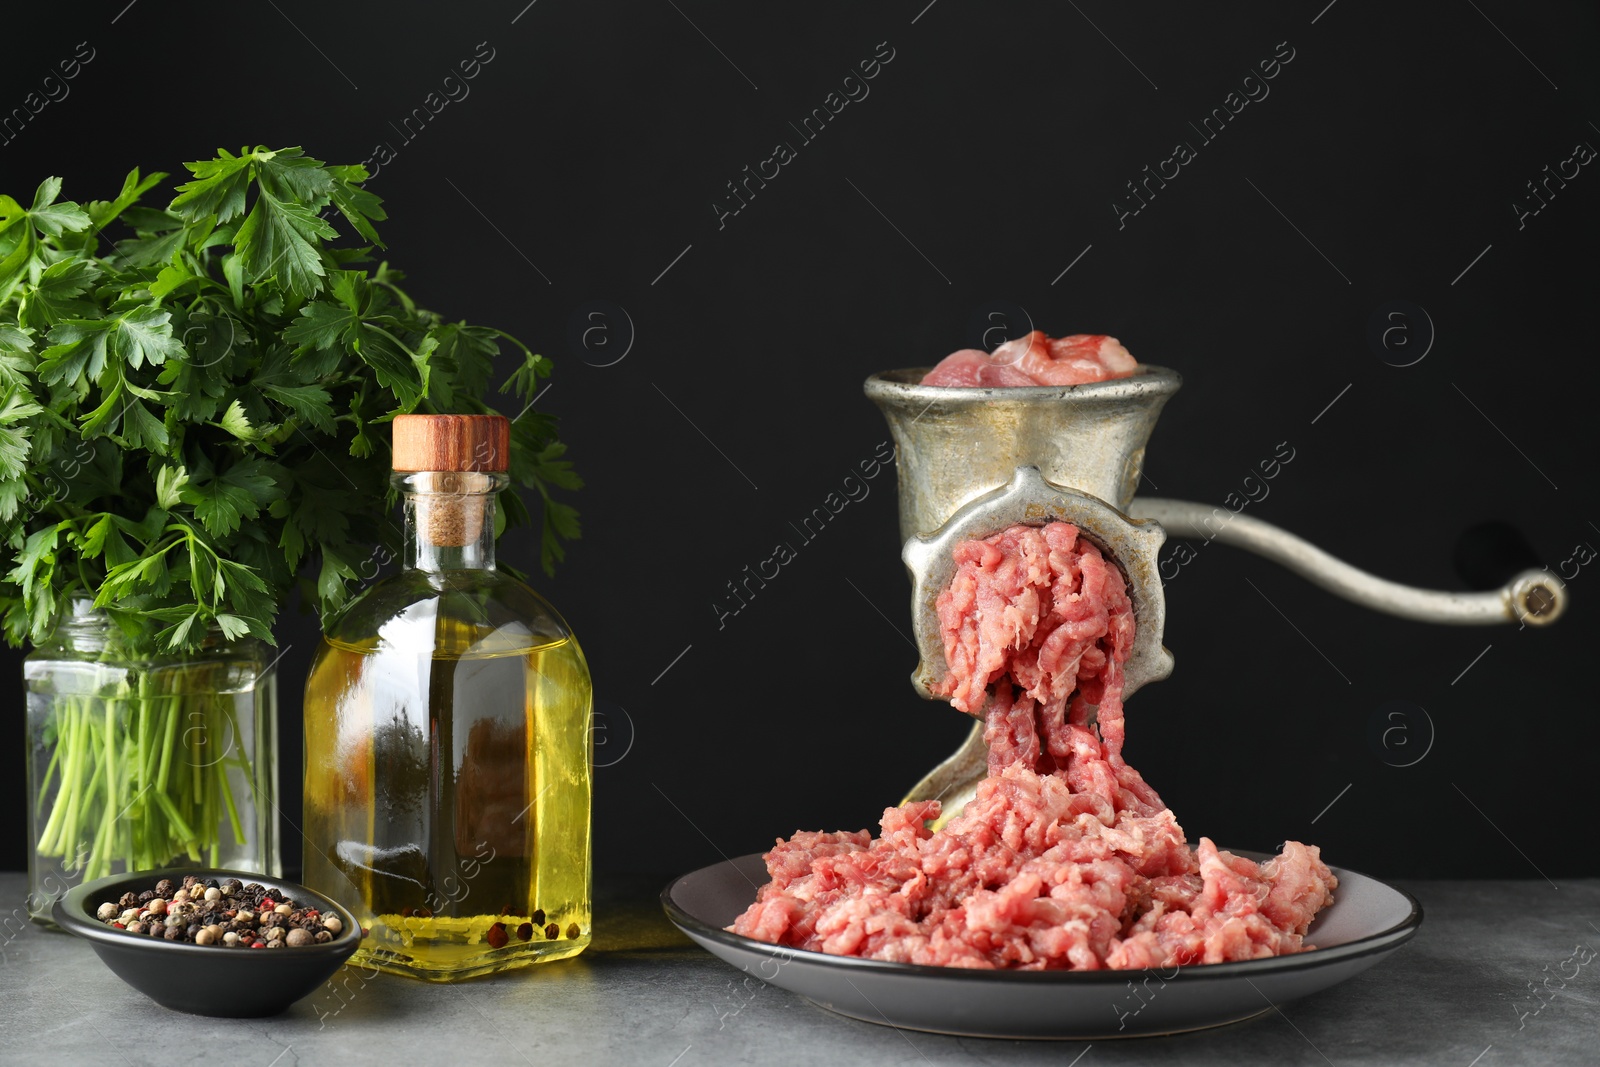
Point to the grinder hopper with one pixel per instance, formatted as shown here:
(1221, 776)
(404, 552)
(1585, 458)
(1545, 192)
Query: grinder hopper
(972, 462)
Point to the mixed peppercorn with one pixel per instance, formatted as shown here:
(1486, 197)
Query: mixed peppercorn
(227, 913)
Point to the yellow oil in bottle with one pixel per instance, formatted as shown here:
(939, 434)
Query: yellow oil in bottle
(447, 791)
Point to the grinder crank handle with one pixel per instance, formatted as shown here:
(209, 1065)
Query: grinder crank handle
(1535, 597)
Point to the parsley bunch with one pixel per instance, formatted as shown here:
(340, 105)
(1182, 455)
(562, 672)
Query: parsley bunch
(191, 416)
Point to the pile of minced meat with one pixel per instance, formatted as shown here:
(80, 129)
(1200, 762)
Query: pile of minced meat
(1066, 858)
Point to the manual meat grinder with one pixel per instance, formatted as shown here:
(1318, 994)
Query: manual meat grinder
(973, 461)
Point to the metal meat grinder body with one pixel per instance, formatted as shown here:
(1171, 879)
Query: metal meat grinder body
(974, 461)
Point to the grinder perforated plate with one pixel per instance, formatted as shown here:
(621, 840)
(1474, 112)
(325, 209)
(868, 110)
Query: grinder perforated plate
(1030, 500)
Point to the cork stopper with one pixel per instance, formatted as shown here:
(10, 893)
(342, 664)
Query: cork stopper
(452, 454)
(451, 442)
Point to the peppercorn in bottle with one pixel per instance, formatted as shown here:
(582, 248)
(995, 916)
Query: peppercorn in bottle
(447, 768)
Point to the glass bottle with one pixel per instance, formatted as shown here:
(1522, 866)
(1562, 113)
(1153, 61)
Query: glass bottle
(139, 758)
(447, 768)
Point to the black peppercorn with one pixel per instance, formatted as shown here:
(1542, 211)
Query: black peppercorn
(497, 935)
(525, 931)
(126, 901)
(552, 931)
(538, 917)
(164, 887)
(147, 896)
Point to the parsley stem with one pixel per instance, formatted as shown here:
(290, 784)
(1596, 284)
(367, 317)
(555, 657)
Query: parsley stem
(117, 796)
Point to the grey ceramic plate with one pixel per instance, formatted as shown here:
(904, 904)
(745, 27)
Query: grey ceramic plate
(1367, 921)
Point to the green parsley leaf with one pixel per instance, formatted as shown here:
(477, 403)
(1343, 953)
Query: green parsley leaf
(102, 212)
(16, 355)
(169, 485)
(140, 429)
(49, 217)
(222, 502)
(144, 334)
(359, 207)
(311, 403)
(55, 296)
(218, 188)
(237, 423)
(79, 351)
(275, 242)
(15, 445)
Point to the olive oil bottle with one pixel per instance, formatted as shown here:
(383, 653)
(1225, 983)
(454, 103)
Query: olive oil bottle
(447, 768)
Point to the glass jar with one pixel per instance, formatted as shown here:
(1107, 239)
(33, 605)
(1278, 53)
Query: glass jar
(139, 759)
(447, 758)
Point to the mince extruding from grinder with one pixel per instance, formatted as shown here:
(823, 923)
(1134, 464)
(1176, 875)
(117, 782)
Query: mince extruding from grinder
(1066, 858)
(1036, 360)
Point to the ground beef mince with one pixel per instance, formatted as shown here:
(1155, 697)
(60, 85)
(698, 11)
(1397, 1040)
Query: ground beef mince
(1066, 858)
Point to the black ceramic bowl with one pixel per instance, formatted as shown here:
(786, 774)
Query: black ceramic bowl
(207, 979)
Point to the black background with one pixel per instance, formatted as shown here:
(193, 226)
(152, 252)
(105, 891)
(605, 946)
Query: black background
(586, 160)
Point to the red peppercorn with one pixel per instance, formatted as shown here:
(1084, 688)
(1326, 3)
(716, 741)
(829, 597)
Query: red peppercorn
(525, 931)
(259, 944)
(268, 902)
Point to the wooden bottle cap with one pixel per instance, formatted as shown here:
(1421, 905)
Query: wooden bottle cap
(451, 442)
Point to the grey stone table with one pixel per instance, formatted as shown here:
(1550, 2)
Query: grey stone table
(1493, 978)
